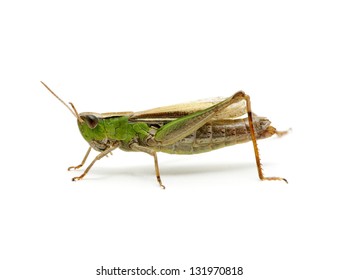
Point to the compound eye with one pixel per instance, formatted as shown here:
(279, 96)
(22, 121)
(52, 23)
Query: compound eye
(91, 121)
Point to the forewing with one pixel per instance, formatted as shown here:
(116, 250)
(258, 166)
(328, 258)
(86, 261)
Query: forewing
(172, 112)
(116, 114)
(233, 111)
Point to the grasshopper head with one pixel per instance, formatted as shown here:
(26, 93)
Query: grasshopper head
(91, 126)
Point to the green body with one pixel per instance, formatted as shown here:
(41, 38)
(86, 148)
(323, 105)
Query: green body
(114, 129)
(212, 135)
(188, 128)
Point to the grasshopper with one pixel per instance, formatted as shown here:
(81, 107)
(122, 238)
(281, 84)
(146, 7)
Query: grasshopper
(188, 128)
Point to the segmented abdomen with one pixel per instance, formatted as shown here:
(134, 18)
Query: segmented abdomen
(219, 134)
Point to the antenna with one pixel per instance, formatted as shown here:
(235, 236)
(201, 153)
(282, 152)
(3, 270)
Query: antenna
(76, 115)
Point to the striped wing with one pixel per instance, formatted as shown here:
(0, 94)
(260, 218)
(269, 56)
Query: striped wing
(172, 112)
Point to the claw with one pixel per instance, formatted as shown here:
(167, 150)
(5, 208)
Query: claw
(77, 178)
(274, 179)
(74, 167)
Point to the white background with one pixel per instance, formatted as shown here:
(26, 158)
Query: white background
(134, 55)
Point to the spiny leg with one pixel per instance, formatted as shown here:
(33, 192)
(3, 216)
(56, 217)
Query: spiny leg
(179, 128)
(151, 152)
(82, 163)
(182, 127)
(98, 157)
(254, 140)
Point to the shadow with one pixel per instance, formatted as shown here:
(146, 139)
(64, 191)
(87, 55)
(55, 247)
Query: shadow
(175, 169)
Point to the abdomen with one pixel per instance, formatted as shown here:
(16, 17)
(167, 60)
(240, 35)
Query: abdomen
(219, 134)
